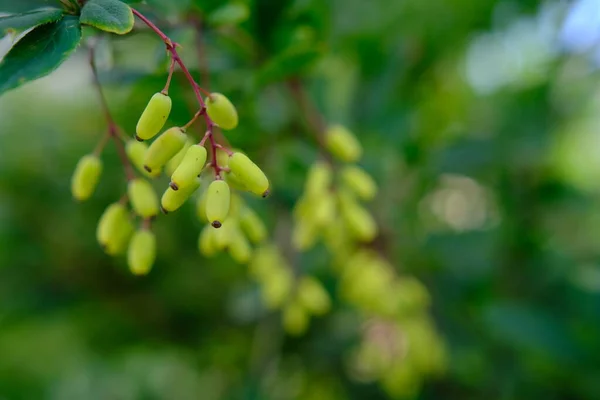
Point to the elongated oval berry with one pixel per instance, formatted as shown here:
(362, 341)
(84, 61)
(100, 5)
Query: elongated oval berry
(276, 286)
(142, 252)
(322, 210)
(239, 248)
(360, 222)
(222, 236)
(144, 200)
(304, 235)
(249, 174)
(235, 182)
(114, 229)
(85, 178)
(165, 147)
(218, 197)
(221, 111)
(206, 242)
(342, 143)
(153, 117)
(313, 296)
(174, 162)
(173, 199)
(190, 167)
(252, 225)
(319, 178)
(136, 151)
(360, 182)
(295, 319)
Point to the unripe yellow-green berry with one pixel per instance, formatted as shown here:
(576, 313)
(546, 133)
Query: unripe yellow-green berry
(221, 111)
(359, 221)
(295, 319)
(304, 235)
(249, 174)
(276, 286)
(359, 182)
(342, 143)
(114, 229)
(320, 176)
(165, 147)
(239, 248)
(313, 296)
(85, 178)
(222, 158)
(222, 236)
(218, 197)
(141, 252)
(206, 242)
(252, 225)
(174, 162)
(173, 199)
(191, 165)
(235, 182)
(136, 151)
(143, 198)
(322, 210)
(153, 117)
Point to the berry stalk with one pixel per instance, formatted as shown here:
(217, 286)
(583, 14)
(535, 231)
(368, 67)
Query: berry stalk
(172, 49)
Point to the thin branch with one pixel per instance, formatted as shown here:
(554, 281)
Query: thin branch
(113, 129)
(168, 84)
(314, 119)
(172, 48)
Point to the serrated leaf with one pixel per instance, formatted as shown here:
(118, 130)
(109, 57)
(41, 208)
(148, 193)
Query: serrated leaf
(40, 52)
(108, 15)
(20, 22)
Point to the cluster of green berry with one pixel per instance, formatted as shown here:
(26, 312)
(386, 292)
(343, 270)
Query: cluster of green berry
(330, 210)
(298, 297)
(413, 349)
(184, 162)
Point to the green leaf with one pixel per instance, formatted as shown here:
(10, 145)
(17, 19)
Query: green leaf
(19, 22)
(40, 52)
(108, 15)
(230, 14)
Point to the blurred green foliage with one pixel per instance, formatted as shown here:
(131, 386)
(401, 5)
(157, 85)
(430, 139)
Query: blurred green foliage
(489, 195)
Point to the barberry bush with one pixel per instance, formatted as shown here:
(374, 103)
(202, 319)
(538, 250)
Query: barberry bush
(257, 199)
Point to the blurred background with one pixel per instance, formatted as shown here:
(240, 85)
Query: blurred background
(480, 123)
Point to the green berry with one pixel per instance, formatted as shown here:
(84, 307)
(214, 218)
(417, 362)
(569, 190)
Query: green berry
(189, 168)
(221, 111)
(143, 198)
(142, 252)
(313, 297)
(218, 197)
(359, 182)
(153, 117)
(136, 151)
(165, 147)
(342, 143)
(249, 174)
(252, 225)
(86, 176)
(173, 199)
(114, 229)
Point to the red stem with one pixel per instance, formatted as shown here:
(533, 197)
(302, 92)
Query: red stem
(113, 129)
(172, 48)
